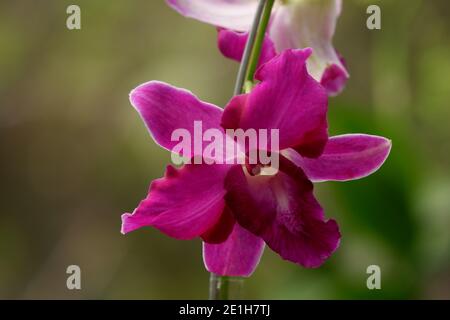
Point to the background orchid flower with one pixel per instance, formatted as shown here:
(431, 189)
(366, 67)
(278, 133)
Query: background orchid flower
(294, 24)
(236, 212)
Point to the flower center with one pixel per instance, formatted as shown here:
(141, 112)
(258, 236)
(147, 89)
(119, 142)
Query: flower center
(260, 169)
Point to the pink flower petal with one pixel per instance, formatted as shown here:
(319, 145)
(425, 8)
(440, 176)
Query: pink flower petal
(232, 45)
(298, 111)
(282, 210)
(346, 157)
(334, 79)
(231, 14)
(222, 229)
(231, 118)
(312, 23)
(184, 204)
(238, 256)
(165, 108)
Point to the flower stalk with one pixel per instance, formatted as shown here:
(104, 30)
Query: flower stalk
(260, 34)
(253, 47)
(225, 288)
(220, 285)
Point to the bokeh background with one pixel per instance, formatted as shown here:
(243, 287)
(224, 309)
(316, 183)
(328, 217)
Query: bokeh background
(75, 155)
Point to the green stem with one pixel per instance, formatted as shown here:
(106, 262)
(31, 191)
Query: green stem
(241, 77)
(225, 288)
(220, 285)
(256, 51)
(219, 288)
(253, 47)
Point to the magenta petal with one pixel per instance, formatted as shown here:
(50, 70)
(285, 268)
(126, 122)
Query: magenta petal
(165, 108)
(184, 204)
(334, 79)
(222, 229)
(238, 256)
(288, 99)
(346, 157)
(282, 210)
(312, 23)
(231, 118)
(231, 14)
(232, 45)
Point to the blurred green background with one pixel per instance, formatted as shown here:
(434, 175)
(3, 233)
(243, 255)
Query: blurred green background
(75, 154)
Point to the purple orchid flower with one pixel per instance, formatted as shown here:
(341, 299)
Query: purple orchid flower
(234, 210)
(294, 24)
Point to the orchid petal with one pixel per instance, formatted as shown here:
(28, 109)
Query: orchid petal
(184, 204)
(231, 14)
(238, 256)
(312, 23)
(221, 230)
(165, 108)
(232, 45)
(334, 79)
(275, 103)
(346, 157)
(282, 210)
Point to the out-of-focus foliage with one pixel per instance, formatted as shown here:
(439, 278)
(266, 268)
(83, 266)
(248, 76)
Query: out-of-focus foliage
(75, 155)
